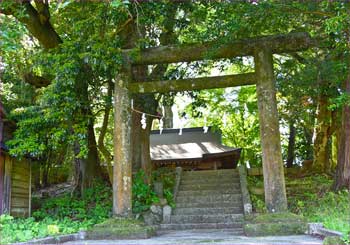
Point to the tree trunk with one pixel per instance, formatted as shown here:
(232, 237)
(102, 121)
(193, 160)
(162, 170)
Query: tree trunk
(38, 24)
(101, 146)
(323, 127)
(89, 166)
(308, 139)
(135, 139)
(342, 177)
(274, 183)
(140, 137)
(291, 144)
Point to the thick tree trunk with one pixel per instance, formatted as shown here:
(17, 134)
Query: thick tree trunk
(274, 183)
(342, 177)
(308, 138)
(89, 167)
(135, 139)
(122, 170)
(140, 137)
(291, 144)
(38, 24)
(321, 144)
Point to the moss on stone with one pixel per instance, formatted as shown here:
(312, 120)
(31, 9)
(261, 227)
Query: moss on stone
(120, 228)
(275, 229)
(275, 224)
(330, 240)
(278, 217)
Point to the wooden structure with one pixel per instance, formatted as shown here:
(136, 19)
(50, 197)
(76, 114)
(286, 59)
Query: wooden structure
(261, 48)
(15, 177)
(192, 150)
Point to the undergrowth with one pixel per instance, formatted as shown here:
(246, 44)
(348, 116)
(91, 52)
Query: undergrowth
(69, 214)
(312, 198)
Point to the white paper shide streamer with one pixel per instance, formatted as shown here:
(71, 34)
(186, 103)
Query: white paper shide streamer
(143, 121)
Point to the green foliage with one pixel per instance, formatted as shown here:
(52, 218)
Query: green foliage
(312, 198)
(167, 177)
(143, 195)
(234, 112)
(330, 208)
(95, 205)
(68, 214)
(20, 230)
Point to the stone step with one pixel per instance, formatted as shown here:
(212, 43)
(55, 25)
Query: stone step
(206, 218)
(188, 226)
(208, 192)
(193, 210)
(212, 172)
(206, 186)
(209, 198)
(227, 176)
(232, 232)
(213, 204)
(216, 181)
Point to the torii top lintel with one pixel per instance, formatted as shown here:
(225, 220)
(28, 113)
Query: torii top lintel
(284, 43)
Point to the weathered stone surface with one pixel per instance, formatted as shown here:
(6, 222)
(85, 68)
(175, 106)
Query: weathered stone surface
(193, 83)
(208, 199)
(118, 228)
(151, 218)
(274, 183)
(122, 169)
(313, 228)
(156, 210)
(275, 229)
(166, 214)
(247, 206)
(276, 224)
(291, 42)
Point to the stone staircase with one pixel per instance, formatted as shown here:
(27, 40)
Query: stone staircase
(209, 199)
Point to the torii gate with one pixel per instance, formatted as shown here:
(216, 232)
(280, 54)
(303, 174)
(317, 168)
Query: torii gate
(262, 49)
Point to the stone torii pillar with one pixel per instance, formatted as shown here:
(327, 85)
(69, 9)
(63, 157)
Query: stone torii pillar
(274, 184)
(122, 169)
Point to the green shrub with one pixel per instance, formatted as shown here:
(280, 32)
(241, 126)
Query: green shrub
(142, 194)
(167, 177)
(95, 205)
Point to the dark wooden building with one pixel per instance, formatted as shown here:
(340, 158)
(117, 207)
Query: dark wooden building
(15, 176)
(193, 149)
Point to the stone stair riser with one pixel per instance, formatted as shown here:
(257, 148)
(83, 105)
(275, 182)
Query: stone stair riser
(237, 203)
(199, 211)
(236, 225)
(208, 187)
(209, 182)
(194, 219)
(208, 198)
(207, 192)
